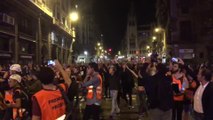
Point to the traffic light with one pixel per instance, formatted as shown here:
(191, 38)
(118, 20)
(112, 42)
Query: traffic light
(110, 49)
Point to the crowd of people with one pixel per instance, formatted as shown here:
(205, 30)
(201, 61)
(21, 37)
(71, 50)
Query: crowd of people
(172, 91)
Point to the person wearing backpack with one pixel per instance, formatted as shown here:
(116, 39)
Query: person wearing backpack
(50, 102)
(16, 101)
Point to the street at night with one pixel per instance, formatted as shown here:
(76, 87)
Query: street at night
(106, 59)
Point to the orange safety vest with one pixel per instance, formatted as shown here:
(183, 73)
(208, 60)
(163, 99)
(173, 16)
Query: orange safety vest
(179, 97)
(90, 92)
(17, 112)
(51, 103)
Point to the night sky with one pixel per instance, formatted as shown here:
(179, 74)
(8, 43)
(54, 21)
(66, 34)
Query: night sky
(111, 16)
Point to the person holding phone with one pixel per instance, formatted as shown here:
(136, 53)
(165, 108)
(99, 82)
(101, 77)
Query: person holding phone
(178, 96)
(48, 103)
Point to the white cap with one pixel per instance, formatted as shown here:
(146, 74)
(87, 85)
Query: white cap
(16, 67)
(16, 77)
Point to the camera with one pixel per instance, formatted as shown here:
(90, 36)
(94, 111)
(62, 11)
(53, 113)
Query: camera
(51, 62)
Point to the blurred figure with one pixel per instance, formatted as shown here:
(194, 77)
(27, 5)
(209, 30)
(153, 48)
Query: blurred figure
(203, 98)
(93, 83)
(127, 83)
(114, 85)
(50, 97)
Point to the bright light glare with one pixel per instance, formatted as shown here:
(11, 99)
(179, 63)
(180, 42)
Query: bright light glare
(149, 54)
(157, 29)
(147, 47)
(74, 16)
(85, 53)
(98, 44)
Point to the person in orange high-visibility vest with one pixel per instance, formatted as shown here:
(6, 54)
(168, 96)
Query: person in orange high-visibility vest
(177, 75)
(93, 83)
(48, 103)
(14, 98)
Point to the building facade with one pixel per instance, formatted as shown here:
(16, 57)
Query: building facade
(34, 31)
(131, 33)
(145, 42)
(88, 32)
(189, 28)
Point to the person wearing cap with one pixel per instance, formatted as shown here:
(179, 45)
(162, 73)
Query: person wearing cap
(14, 98)
(4, 86)
(15, 68)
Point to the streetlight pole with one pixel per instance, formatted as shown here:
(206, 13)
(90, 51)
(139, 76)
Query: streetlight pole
(74, 18)
(157, 30)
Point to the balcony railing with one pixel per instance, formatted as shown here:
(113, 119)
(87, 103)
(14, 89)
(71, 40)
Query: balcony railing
(62, 26)
(43, 7)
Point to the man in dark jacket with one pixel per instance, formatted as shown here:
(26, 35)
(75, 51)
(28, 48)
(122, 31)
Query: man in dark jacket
(203, 98)
(159, 92)
(127, 82)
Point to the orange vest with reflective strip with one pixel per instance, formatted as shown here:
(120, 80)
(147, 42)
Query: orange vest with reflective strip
(51, 103)
(17, 112)
(98, 90)
(179, 97)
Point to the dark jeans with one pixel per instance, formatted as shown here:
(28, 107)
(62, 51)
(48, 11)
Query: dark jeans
(198, 116)
(143, 106)
(127, 91)
(8, 114)
(177, 110)
(106, 90)
(92, 110)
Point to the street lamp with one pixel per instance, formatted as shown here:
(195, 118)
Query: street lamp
(98, 44)
(100, 48)
(157, 29)
(154, 37)
(85, 53)
(74, 16)
(147, 47)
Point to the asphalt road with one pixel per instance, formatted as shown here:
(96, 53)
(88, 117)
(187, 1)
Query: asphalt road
(125, 113)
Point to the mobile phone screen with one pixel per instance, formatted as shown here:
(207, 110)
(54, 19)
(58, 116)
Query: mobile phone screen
(51, 62)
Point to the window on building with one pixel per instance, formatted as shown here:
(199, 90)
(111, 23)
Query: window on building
(4, 45)
(185, 31)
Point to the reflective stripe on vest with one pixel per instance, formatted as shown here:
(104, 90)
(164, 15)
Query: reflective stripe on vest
(179, 97)
(90, 93)
(17, 112)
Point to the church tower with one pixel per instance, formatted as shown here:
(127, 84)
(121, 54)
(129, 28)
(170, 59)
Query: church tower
(131, 33)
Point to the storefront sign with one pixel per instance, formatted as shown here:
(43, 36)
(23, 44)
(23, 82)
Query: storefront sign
(186, 53)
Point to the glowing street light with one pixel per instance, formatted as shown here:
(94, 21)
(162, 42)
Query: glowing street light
(100, 48)
(147, 47)
(98, 44)
(154, 37)
(85, 53)
(157, 29)
(74, 16)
